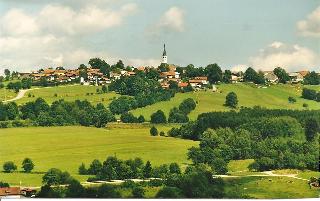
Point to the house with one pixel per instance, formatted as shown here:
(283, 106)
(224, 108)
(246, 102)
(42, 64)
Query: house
(296, 77)
(270, 76)
(10, 192)
(183, 84)
(168, 75)
(303, 73)
(199, 82)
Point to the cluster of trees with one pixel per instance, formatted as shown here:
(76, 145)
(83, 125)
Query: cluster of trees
(59, 113)
(250, 75)
(312, 78)
(311, 94)
(27, 166)
(180, 114)
(218, 147)
(233, 119)
(25, 83)
(114, 168)
(128, 117)
(196, 182)
(141, 92)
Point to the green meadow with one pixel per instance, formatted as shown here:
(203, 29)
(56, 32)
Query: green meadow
(69, 93)
(275, 96)
(6, 94)
(67, 147)
(270, 187)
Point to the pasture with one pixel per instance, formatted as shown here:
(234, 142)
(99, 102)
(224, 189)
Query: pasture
(67, 147)
(275, 97)
(270, 187)
(68, 93)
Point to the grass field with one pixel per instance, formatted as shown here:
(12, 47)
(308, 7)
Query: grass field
(6, 94)
(275, 96)
(67, 147)
(271, 187)
(69, 93)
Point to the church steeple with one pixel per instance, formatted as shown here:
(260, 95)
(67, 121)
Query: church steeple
(164, 50)
(164, 55)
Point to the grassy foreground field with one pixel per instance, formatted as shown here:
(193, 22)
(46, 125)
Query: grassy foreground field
(275, 96)
(67, 147)
(69, 93)
(6, 94)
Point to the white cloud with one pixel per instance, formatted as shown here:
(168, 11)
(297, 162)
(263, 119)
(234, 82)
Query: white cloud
(290, 57)
(171, 21)
(17, 23)
(89, 19)
(48, 37)
(311, 25)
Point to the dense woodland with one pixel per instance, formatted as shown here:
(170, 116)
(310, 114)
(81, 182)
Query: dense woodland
(276, 139)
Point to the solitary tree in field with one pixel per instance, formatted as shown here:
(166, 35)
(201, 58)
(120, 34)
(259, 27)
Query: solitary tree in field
(232, 100)
(9, 166)
(153, 131)
(27, 165)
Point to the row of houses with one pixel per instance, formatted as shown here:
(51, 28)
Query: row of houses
(95, 77)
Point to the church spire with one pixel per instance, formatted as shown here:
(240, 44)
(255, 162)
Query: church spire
(164, 50)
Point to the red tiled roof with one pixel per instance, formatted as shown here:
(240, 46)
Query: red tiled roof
(9, 191)
(183, 84)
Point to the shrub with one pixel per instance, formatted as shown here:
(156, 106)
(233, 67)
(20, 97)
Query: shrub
(187, 105)
(153, 131)
(292, 99)
(162, 133)
(27, 165)
(138, 192)
(231, 100)
(55, 176)
(9, 166)
(305, 105)
(82, 169)
(158, 117)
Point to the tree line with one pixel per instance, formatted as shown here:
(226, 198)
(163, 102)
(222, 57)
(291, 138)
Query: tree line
(196, 181)
(59, 113)
(311, 94)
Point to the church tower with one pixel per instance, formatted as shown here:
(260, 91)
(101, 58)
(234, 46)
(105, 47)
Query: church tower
(164, 55)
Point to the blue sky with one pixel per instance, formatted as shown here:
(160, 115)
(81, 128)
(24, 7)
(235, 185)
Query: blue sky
(234, 34)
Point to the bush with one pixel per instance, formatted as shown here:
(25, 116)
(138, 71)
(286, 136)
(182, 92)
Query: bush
(231, 100)
(153, 131)
(187, 105)
(138, 192)
(292, 99)
(82, 169)
(9, 166)
(55, 176)
(4, 184)
(27, 165)
(158, 117)
(169, 192)
(162, 133)
(305, 105)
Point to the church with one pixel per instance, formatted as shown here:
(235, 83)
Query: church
(164, 55)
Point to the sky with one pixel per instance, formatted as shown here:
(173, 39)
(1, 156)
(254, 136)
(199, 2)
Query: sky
(262, 34)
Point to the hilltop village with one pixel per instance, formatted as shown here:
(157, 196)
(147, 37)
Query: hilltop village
(100, 73)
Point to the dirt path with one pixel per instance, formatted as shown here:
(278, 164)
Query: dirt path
(20, 95)
(264, 174)
(22, 92)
